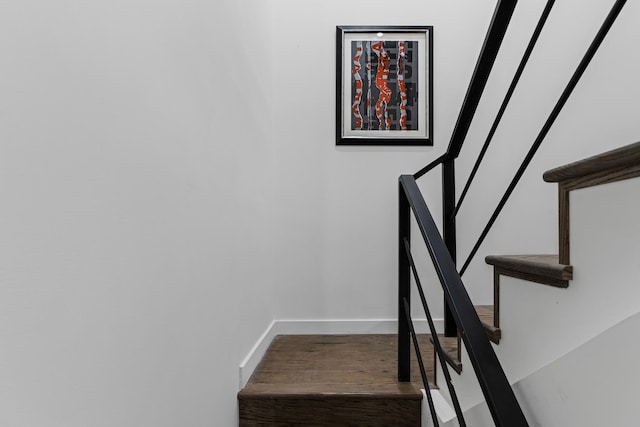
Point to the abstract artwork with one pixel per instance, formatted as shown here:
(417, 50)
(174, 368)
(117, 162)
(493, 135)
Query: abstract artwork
(384, 86)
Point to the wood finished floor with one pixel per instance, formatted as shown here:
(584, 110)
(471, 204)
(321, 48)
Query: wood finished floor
(321, 365)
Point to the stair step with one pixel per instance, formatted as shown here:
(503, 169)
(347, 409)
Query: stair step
(612, 166)
(615, 165)
(333, 380)
(451, 352)
(485, 313)
(329, 411)
(543, 269)
(450, 344)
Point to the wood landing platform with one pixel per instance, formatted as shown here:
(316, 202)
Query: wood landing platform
(329, 380)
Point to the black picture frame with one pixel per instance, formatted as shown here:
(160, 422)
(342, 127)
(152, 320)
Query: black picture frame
(384, 85)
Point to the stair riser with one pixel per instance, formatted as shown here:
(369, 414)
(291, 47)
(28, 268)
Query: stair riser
(328, 411)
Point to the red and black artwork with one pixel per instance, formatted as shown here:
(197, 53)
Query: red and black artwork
(384, 90)
(384, 85)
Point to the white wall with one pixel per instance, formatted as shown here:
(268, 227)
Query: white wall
(337, 224)
(593, 385)
(136, 179)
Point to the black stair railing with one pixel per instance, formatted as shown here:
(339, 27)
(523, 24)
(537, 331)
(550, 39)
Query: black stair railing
(460, 316)
(499, 396)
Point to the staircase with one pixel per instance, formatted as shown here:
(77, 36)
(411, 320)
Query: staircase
(554, 269)
(324, 380)
(354, 380)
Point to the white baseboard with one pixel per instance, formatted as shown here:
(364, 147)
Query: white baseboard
(250, 362)
(325, 327)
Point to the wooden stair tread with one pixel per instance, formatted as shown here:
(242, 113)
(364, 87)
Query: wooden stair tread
(543, 269)
(333, 380)
(606, 164)
(304, 390)
(450, 344)
(612, 166)
(485, 313)
(451, 352)
(349, 411)
(329, 364)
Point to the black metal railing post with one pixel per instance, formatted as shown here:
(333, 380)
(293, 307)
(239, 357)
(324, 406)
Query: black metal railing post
(404, 287)
(449, 231)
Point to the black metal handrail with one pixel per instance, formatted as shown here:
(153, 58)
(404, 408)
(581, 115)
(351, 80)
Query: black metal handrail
(497, 391)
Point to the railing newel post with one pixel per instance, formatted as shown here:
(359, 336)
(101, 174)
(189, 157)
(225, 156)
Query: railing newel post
(404, 286)
(449, 231)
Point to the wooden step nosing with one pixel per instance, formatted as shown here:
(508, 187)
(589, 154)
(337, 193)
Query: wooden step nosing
(530, 277)
(491, 330)
(452, 361)
(455, 364)
(617, 159)
(417, 395)
(487, 317)
(560, 274)
(525, 265)
(494, 334)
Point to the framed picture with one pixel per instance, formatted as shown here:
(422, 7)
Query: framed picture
(384, 85)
